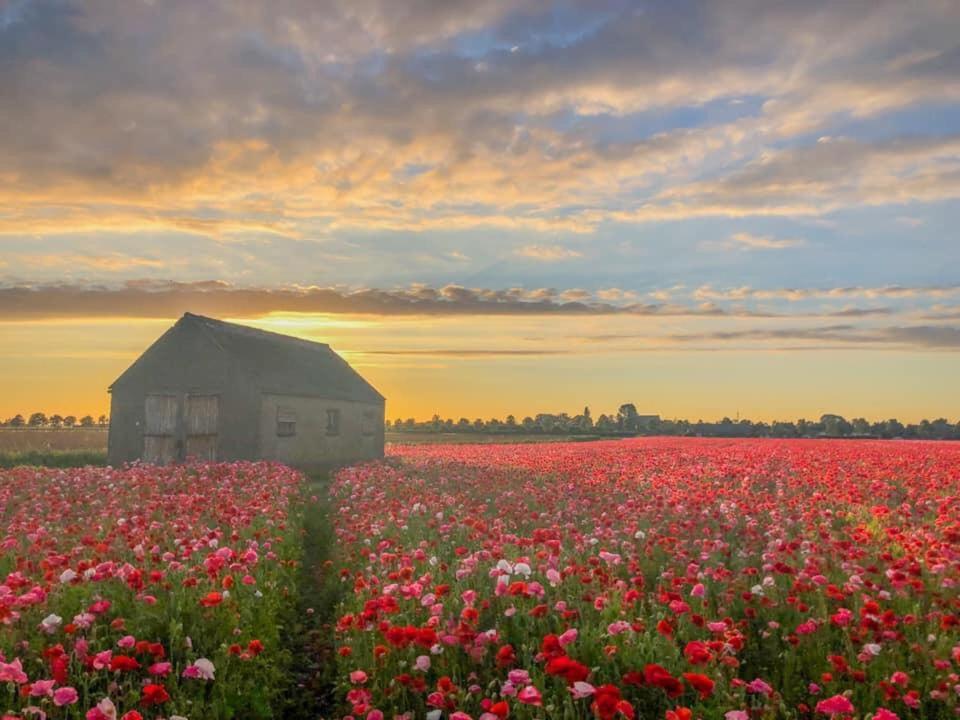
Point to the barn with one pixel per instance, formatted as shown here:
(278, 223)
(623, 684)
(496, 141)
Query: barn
(213, 390)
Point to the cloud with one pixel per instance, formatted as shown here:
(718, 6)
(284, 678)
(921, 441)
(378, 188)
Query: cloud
(830, 175)
(168, 299)
(430, 116)
(764, 242)
(615, 294)
(548, 253)
(708, 292)
(576, 295)
(942, 312)
(112, 262)
(784, 339)
(861, 312)
(827, 332)
(466, 353)
(149, 298)
(933, 336)
(746, 242)
(917, 336)
(910, 221)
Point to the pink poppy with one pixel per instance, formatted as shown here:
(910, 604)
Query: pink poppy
(836, 705)
(12, 672)
(104, 710)
(760, 687)
(65, 696)
(581, 689)
(530, 696)
(201, 669)
(42, 688)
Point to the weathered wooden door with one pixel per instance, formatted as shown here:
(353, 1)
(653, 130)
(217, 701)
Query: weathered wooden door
(162, 413)
(202, 423)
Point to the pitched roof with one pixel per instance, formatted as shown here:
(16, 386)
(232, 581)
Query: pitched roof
(286, 365)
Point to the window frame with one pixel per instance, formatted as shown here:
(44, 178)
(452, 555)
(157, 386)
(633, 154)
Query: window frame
(368, 423)
(286, 424)
(333, 422)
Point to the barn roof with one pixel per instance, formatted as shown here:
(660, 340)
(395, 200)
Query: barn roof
(283, 364)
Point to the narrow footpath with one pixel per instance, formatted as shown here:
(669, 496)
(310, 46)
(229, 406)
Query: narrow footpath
(311, 694)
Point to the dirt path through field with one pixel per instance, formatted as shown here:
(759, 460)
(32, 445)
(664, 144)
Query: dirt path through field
(311, 694)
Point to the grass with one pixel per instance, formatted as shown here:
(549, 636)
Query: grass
(31, 438)
(310, 631)
(53, 447)
(53, 458)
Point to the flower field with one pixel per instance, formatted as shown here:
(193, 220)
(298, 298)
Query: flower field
(147, 592)
(653, 578)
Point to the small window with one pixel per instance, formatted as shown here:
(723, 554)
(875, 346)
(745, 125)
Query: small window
(286, 422)
(333, 422)
(369, 423)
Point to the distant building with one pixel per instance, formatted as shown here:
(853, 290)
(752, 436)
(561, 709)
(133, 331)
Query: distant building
(213, 390)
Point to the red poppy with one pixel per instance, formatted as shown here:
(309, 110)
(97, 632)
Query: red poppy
(154, 695)
(633, 677)
(123, 663)
(701, 683)
(550, 646)
(607, 703)
(506, 656)
(660, 677)
(211, 599)
(697, 653)
(568, 668)
(255, 647)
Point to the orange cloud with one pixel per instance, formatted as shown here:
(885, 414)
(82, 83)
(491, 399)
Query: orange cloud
(548, 253)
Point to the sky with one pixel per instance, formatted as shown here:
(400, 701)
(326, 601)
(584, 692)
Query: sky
(491, 207)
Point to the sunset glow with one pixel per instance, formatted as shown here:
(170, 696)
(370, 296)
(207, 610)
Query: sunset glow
(704, 208)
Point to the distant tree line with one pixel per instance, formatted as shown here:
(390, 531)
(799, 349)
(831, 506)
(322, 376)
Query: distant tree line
(627, 422)
(42, 420)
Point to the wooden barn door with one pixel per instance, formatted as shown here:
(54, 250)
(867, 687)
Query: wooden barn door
(160, 433)
(202, 421)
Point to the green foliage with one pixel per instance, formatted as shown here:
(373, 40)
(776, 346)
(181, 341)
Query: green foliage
(306, 625)
(628, 422)
(53, 458)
